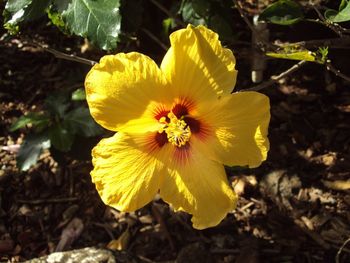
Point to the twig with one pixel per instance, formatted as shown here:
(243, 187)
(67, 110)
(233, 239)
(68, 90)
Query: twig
(52, 200)
(155, 39)
(342, 42)
(274, 79)
(337, 72)
(59, 54)
(166, 11)
(336, 29)
(251, 26)
(337, 258)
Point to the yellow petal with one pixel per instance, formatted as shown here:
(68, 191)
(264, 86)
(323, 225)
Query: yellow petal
(197, 65)
(238, 129)
(126, 170)
(124, 90)
(198, 186)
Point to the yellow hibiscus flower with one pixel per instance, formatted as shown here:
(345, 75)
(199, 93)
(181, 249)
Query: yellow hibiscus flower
(176, 126)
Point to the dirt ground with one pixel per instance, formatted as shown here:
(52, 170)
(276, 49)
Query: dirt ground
(293, 208)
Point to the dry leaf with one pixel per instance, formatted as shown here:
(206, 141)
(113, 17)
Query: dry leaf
(121, 243)
(337, 185)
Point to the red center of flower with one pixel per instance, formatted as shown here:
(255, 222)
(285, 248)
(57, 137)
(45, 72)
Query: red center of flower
(177, 124)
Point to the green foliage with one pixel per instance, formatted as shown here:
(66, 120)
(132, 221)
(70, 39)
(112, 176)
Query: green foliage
(17, 11)
(293, 55)
(214, 14)
(58, 126)
(342, 15)
(60, 137)
(282, 12)
(57, 104)
(79, 94)
(56, 18)
(99, 21)
(38, 120)
(79, 121)
(322, 55)
(30, 150)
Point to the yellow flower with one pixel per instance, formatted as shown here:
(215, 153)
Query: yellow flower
(176, 126)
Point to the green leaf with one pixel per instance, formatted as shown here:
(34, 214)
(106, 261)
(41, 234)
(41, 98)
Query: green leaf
(57, 104)
(56, 18)
(17, 11)
(98, 20)
(343, 4)
(30, 150)
(35, 119)
(295, 55)
(342, 15)
(189, 15)
(79, 121)
(79, 94)
(61, 138)
(201, 7)
(282, 12)
(221, 26)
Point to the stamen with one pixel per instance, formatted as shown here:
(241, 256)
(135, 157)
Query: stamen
(177, 130)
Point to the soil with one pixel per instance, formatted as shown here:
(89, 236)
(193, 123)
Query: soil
(293, 208)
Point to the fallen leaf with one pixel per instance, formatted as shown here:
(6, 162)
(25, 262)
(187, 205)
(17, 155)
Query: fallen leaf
(121, 243)
(341, 185)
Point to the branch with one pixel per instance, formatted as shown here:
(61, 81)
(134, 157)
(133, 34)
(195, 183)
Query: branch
(45, 201)
(337, 258)
(274, 79)
(154, 38)
(59, 54)
(342, 42)
(251, 27)
(334, 27)
(337, 72)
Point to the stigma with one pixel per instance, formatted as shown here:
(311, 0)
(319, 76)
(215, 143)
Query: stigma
(177, 130)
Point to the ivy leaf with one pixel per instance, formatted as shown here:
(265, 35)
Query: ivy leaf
(36, 119)
(61, 138)
(282, 12)
(98, 20)
(17, 11)
(80, 122)
(30, 150)
(342, 15)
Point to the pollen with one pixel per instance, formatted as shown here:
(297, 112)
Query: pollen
(177, 130)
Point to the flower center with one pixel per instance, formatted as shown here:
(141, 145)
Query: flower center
(177, 130)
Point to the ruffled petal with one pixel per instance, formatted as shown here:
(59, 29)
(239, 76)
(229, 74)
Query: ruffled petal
(238, 129)
(127, 170)
(198, 186)
(197, 65)
(124, 90)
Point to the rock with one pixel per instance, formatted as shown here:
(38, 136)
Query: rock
(85, 255)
